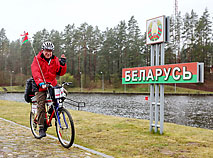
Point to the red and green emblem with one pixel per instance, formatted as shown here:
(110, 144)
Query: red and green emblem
(155, 30)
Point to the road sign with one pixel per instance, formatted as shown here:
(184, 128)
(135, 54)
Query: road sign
(173, 73)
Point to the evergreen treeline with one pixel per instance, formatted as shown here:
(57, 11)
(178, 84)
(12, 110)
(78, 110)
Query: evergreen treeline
(90, 51)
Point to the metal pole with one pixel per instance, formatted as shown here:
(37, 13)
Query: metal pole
(151, 91)
(103, 81)
(162, 92)
(81, 83)
(21, 75)
(102, 75)
(37, 61)
(156, 91)
(11, 80)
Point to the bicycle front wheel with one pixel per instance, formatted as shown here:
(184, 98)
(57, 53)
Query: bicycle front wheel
(65, 128)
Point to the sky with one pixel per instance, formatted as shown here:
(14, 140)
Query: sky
(17, 16)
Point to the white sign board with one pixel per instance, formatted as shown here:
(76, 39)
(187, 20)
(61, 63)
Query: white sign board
(155, 30)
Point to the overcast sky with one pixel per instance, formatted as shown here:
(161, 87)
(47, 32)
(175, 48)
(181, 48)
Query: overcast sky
(17, 16)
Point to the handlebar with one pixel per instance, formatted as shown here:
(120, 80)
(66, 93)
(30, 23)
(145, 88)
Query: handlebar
(63, 84)
(66, 83)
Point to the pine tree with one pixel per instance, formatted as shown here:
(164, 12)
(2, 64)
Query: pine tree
(134, 41)
(203, 34)
(70, 49)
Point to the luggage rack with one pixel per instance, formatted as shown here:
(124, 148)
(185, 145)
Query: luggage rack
(75, 103)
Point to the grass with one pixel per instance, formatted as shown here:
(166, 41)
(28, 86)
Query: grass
(13, 88)
(125, 137)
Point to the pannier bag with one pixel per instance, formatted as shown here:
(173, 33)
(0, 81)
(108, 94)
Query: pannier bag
(30, 90)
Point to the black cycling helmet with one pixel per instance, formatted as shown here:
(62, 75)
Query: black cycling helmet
(47, 45)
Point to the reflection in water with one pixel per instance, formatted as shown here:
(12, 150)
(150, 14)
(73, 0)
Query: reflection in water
(196, 111)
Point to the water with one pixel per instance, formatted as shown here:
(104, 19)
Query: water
(195, 111)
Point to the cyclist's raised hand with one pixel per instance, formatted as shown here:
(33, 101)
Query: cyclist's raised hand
(62, 60)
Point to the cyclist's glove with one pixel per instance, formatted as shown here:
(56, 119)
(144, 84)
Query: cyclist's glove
(62, 61)
(42, 83)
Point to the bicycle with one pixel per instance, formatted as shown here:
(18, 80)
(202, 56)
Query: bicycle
(63, 119)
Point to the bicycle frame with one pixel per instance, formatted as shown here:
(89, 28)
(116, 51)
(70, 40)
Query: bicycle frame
(55, 110)
(50, 119)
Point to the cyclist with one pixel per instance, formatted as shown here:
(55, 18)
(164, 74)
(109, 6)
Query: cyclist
(45, 67)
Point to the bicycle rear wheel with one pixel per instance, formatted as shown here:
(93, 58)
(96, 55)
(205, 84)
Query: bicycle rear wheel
(34, 125)
(65, 128)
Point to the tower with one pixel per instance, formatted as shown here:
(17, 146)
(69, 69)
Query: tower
(176, 33)
(176, 8)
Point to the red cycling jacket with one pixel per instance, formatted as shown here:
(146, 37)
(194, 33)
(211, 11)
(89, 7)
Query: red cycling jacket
(50, 70)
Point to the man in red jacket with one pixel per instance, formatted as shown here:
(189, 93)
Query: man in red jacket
(45, 68)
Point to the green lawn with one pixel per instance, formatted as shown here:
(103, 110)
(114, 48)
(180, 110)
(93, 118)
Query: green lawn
(125, 137)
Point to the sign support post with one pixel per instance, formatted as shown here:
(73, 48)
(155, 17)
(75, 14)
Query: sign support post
(157, 34)
(151, 91)
(156, 51)
(162, 92)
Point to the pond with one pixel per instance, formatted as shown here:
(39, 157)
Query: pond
(195, 111)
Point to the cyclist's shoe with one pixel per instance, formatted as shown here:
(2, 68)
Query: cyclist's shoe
(42, 133)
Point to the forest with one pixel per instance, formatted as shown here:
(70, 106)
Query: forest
(93, 54)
